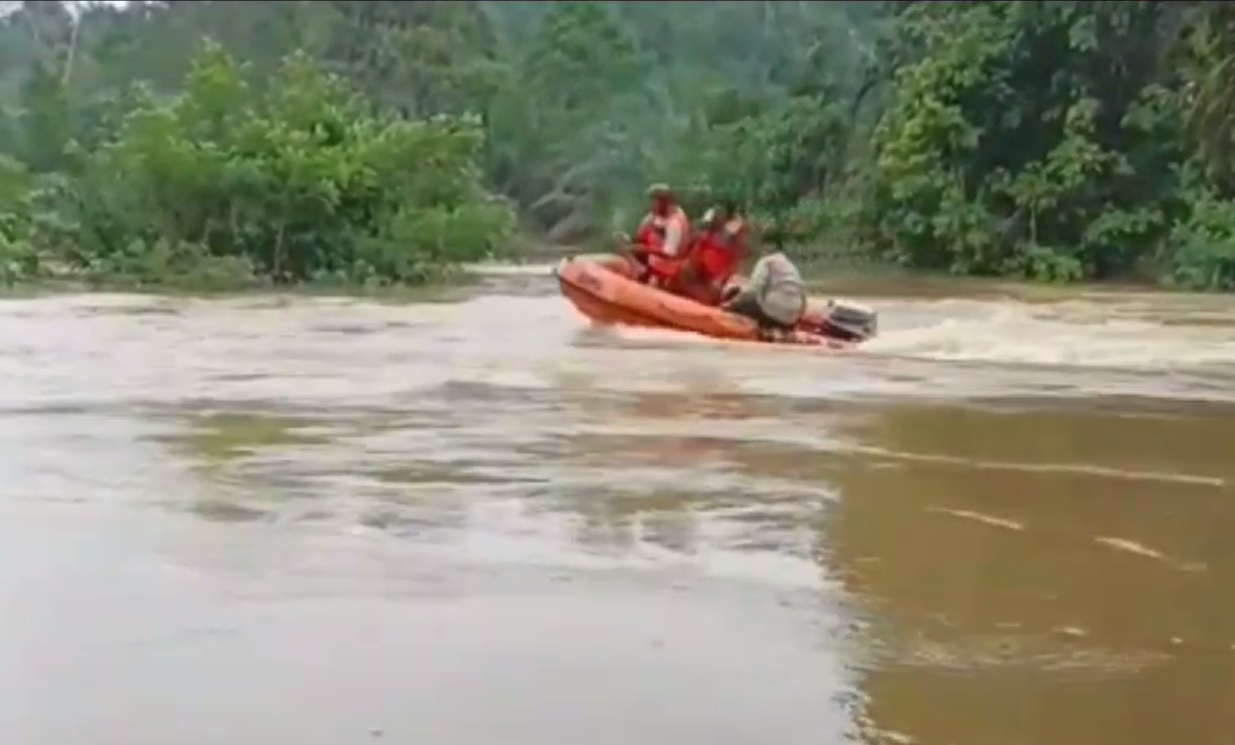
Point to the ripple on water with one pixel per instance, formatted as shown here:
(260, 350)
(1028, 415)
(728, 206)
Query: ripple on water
(1001, 500)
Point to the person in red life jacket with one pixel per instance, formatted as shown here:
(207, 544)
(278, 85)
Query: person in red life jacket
(663, 237)
(719, 250)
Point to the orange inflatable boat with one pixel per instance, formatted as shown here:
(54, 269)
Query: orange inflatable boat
(602, 288)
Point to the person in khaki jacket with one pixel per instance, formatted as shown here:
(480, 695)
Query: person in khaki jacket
(773, 297)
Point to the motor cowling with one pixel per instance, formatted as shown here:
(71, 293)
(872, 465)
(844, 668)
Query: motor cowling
(849, 321)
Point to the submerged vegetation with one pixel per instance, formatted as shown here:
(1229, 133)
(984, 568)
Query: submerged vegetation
(218, 144)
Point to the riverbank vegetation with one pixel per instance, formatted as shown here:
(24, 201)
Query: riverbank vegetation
(221, 144)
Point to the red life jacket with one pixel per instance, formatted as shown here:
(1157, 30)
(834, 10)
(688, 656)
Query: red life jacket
(718, 258)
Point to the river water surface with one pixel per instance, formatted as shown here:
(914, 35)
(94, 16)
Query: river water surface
(297, 521)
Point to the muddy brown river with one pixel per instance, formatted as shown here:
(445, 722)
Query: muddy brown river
(477, 521)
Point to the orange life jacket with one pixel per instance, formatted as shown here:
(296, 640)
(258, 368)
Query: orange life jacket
(651, 237)
(652, 231)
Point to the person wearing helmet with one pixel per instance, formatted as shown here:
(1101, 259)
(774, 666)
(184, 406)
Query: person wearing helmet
(773, 297)
(662, 238)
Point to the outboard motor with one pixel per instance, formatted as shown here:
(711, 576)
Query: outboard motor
(848, 321)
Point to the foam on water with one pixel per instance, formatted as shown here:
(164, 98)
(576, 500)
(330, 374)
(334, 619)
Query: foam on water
(1073, 335)
(1011, 334)
(164, 348)
(1134, 331)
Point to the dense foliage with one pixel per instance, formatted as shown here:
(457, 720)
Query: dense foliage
(384, 141)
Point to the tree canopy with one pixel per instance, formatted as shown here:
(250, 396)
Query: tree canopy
(382, 141)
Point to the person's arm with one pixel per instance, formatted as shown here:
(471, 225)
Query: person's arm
(753, 287)
(673, 238)
(759, 277)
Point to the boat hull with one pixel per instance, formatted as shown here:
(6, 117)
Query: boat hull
(603, 290)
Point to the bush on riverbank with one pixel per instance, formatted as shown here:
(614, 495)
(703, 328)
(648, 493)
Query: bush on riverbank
(18, 259)
(232, 183)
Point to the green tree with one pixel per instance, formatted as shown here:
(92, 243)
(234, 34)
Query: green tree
(1049, 140)
(294, 183)
(1036, 139)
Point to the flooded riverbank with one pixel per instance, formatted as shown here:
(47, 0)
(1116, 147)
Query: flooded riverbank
(329, 521)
